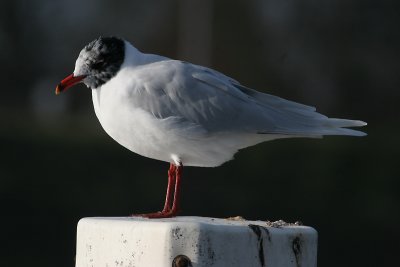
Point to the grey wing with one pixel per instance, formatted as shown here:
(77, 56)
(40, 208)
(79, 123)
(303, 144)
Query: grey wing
(281, 116)
(218, 103)
(196, 95)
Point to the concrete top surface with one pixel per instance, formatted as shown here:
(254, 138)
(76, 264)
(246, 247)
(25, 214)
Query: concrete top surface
(204, 221)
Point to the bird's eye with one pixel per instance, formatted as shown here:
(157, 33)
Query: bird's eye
(97, 65)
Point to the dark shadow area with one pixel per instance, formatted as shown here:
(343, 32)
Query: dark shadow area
(58, 165)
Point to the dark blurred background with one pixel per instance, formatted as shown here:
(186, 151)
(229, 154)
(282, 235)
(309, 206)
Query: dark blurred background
(57, 165)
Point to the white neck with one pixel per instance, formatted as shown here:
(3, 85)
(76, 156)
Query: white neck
(133, 57)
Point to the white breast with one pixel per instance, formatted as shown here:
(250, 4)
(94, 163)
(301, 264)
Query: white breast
(129, 126)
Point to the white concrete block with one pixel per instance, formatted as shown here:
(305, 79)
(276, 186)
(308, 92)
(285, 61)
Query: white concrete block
(206, 242)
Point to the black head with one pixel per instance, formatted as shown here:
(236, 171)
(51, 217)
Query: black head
(100, 60)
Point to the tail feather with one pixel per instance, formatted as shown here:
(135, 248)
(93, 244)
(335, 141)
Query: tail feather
(298, 120)
(340, 131)
(316, 128)
(334, 122)
(315, 132)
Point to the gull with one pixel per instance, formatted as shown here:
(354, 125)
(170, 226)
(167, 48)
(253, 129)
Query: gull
(186, 114)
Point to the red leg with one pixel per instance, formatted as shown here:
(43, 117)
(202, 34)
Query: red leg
(170, 186)
(174, 180)
(176, 205)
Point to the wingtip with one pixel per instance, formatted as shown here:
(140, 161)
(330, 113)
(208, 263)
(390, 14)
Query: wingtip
(356, 123)
(362, 123)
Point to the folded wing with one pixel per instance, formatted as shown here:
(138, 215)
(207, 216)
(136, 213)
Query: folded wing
(218, 103)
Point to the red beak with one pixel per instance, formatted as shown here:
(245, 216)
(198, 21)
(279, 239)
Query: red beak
(68, 82)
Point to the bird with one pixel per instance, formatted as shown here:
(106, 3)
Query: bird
(186, 114)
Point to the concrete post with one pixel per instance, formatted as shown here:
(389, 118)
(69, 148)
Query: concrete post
(193, 241)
